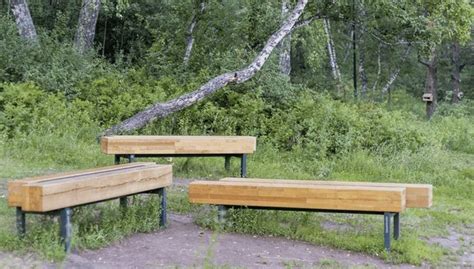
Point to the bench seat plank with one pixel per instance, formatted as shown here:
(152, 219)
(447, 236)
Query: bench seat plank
(310, 196)
(417, 195)
(15, 195)
(178, 144)
(76, 188)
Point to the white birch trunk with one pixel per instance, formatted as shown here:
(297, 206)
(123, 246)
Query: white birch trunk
(85, 33)
(396, 72)
(23, 20)
(285, 45)
(331, 51)
(190, 34)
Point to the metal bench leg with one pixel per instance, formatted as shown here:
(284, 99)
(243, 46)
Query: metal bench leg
(163, 205)
(66, 227)
(243, 165)
(124, 200)
(117, 159)
(20, 222)
(227, 163)
(396, 226)
(386, 234)
(221, 212)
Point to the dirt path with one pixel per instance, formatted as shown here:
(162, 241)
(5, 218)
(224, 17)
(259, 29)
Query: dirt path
(184, 244)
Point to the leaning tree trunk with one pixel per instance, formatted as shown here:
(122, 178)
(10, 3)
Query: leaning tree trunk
(394, 75)
(431, 84)
(456, 73)
(86, 26)
(23, 20)
(190, 33)
(161, 110)
(284, 63)
(332, 54)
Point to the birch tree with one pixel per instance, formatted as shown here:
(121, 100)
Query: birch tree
(190, 32)
(284, 62)
(85, 33)
(23, 20)
(160, 110)
(332, 53)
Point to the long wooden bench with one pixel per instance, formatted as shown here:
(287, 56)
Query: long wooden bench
(321, 196)
(59, 193)
(131, 147)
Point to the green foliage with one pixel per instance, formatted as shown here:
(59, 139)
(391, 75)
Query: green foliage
(94, 226)
(54, 65)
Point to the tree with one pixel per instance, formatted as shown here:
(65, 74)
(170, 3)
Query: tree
(284, 62)
(23, 20)
(85, 33)
(457, 67)
(160, 110)
(190, 33)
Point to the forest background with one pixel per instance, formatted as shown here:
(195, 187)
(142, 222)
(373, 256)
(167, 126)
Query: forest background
(339, 97)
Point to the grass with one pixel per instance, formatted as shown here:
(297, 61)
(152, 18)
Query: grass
(96, 226)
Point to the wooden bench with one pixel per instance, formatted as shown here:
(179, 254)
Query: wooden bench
(59, 193)
(132, 147)
(321, 196)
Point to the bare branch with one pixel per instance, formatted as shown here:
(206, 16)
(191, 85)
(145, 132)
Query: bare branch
(160, 110)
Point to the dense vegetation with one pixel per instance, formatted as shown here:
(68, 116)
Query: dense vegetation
(54, 102)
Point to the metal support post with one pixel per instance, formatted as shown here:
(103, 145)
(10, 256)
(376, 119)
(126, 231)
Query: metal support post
(20, 222)
(66, 227)
(221, 212)
(163, 205)
(243, 165)
(386, 234)
(227, 163)
(124, 200)
(396, 226)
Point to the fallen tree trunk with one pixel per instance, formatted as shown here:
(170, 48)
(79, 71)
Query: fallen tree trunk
(160, 110)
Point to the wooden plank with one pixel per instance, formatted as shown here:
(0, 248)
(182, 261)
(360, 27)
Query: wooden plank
(178, 144)
(417, 195)
(269, 194)
(15, 186)
(55, 193)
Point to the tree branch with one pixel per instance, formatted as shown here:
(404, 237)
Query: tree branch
(161, 110)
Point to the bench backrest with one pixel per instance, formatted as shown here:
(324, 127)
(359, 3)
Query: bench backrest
(417, 195)
(46, 193)
(178, 144)
(310, 196)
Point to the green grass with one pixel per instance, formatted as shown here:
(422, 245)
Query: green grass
(99, 225)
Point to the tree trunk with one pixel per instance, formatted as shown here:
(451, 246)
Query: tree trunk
(23, 20)
(190, 33)
(431, 83)
(354, 50)
(394, 75)
(85, 33)
(332, 53)
(160, 110)
(379, 68)
(456, 73)
(285, 45)
(362, 74)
